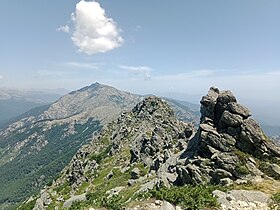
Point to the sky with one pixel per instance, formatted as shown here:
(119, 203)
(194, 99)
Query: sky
(178, 48)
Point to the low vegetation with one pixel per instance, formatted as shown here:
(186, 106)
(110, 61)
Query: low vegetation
(189, 197)
(31, 170)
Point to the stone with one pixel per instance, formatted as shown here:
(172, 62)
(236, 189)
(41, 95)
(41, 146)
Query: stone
(243, 204)
(250, 196)
(231, 120)
(73, 199)
(225, 97)
(39, 205)
(253, 130)
(131, 182)
(242, 199)
(273, 170)
(226, 182)
(219, 174)
(110, 175)
(230, 197)
(135, 173)
(114, 191)
(167, 206)
(147, 186)
(241, 181)
(208, 103)
(253, 169)
(167, 177)
(158, 202)
(239, 109)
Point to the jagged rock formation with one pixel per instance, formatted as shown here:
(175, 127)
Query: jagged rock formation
(228, 145)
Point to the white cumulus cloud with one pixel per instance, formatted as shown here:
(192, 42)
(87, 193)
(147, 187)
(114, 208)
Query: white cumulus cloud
(1, 77)
(93, 31)
(145, 70)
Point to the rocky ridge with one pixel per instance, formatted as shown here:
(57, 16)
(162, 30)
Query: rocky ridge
(135, 147)
(148, 148)
(59, 129)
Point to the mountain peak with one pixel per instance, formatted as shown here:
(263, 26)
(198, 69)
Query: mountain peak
(94, 86)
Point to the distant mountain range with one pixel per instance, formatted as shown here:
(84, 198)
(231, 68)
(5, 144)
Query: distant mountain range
(39, 143)
(16, 102)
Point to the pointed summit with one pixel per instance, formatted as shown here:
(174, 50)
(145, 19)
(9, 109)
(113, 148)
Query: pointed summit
(153, 106)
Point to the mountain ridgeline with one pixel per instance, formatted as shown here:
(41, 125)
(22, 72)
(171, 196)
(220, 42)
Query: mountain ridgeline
(16, 102)
(36, 147)
(147, 150)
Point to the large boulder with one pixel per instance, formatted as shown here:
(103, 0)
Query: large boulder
(227, 141)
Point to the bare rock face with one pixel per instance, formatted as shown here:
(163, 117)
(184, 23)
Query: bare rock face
(226, 139)
(243, 199)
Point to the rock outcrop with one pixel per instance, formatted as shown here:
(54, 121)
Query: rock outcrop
(227, 145)
(243, 199)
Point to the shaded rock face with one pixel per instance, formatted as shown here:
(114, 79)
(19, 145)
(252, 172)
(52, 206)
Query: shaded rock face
(225, 140)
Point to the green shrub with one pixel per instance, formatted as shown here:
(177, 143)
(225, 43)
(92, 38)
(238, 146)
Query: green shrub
(275, 204)
(241, 169)
(101, 200)
(276, 197)
(102, 155)
(190, 197)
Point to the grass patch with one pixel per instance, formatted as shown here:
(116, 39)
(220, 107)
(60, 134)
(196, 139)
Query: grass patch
(189, 197)
(64, 190)
(241, 169)
(242, 156)
(101, 156)
(27, 206)
(275, 204)
(143, 170)
(83, 187)
(267, 186)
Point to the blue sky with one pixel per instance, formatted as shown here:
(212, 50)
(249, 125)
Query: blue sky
(158, 46)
